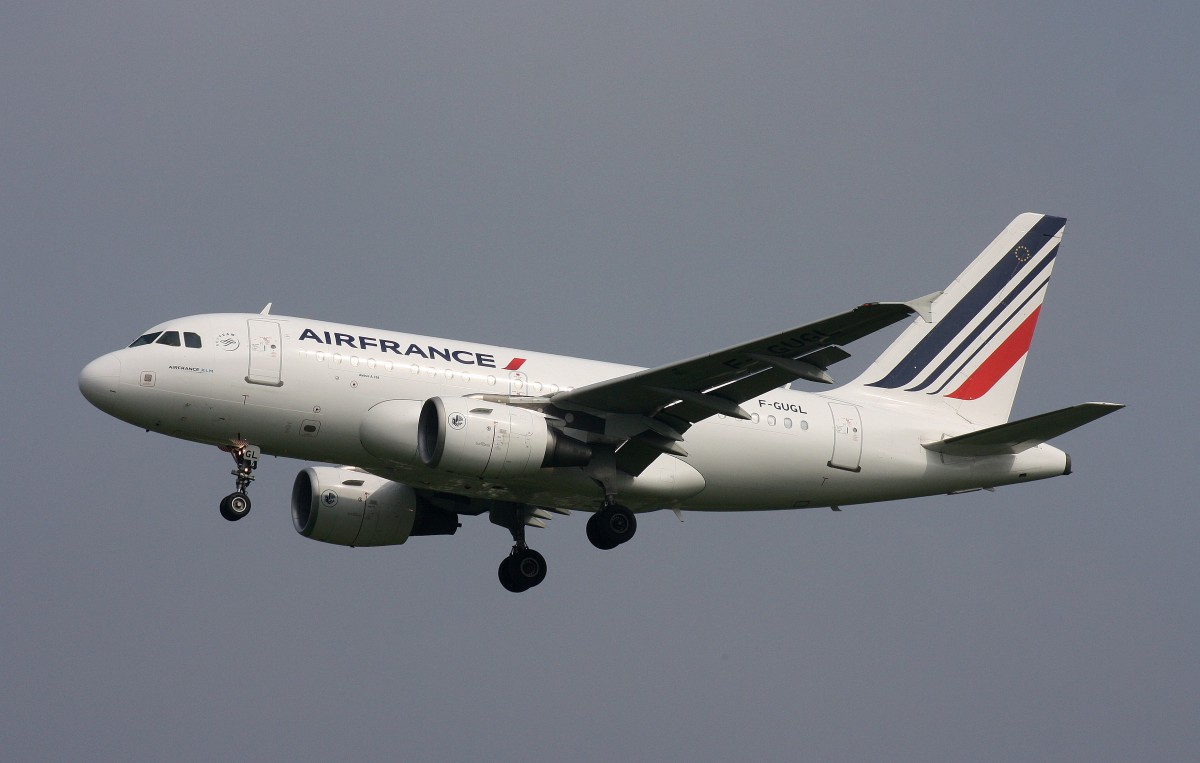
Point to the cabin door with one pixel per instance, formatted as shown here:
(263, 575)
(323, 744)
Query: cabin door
(266, 353)
(847, 437)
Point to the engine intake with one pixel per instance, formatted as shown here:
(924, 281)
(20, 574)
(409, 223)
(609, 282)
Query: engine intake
(471, 437)
(351, 508)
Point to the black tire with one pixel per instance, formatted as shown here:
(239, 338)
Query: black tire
(596, 534)
(620, 523)
(235, 506)
(528, 568)
(611, 526)
(511, 576)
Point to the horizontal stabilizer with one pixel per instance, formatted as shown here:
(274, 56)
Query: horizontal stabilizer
(1016, 436)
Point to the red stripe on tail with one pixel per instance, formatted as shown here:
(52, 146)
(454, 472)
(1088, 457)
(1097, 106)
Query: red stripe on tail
(1005, 357)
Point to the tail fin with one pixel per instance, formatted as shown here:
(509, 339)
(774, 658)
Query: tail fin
(970, 353)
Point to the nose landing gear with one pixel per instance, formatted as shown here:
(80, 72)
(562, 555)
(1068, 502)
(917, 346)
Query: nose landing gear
(245, 457)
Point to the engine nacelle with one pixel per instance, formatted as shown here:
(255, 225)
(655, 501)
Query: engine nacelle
(352, 508)
(389, 430)
(472, 437)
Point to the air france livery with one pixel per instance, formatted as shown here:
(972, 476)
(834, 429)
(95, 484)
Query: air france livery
(430, 430)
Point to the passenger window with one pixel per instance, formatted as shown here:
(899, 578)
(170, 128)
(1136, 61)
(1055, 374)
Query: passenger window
(169, 338)
(145, 339)
(191, 340)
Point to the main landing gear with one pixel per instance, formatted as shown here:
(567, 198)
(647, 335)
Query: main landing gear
(523, 568)
(245, 457)
(611, 526)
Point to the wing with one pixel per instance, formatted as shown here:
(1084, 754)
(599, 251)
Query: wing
(652, 409)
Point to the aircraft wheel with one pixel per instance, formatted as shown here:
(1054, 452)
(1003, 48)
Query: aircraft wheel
(522, 570)
(611, 526)
(235, 506)
(508, 580)
(529, 567)
(595, 534)
(506, 576)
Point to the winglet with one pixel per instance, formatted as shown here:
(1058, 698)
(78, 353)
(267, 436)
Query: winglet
(923, 306)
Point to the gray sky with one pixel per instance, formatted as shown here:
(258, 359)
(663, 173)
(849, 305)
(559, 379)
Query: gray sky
(637, 182)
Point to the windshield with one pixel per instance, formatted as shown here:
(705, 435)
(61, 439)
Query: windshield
(170, 338)
(145, 339)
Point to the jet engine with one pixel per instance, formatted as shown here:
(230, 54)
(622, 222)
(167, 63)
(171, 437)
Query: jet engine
(351, 508)
(479, 439)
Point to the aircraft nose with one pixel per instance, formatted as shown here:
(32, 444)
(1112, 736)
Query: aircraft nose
(98, 381)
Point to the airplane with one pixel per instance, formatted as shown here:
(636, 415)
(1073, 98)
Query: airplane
(429, 430)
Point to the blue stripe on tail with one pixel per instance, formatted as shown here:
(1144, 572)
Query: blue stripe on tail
(950, 325)
(987, 342)
(983, 326)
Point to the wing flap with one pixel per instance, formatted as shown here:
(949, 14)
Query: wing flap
(647, 392)
(668, 399)
(1016, 436)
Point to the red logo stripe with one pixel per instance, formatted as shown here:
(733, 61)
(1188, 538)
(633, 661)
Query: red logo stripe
(514, 364)
(1005, 357)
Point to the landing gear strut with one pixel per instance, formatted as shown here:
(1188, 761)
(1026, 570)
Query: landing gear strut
(245, 457)
(614, 524)
(523, 568)
(611, 526)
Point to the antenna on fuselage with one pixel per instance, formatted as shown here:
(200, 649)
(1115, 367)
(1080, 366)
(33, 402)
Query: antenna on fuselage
(266, 310)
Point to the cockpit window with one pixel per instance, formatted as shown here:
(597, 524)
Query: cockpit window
(169, 338)
(145, 339)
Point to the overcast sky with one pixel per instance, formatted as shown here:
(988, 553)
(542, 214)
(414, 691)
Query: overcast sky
(630, 181)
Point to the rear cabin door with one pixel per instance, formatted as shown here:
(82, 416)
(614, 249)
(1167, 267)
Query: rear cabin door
(266, 353)
(847, 437)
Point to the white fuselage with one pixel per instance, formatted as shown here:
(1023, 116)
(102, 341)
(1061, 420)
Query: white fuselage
(300, 388)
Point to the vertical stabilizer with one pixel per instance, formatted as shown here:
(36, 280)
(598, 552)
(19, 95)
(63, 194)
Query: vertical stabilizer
(970, 353)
